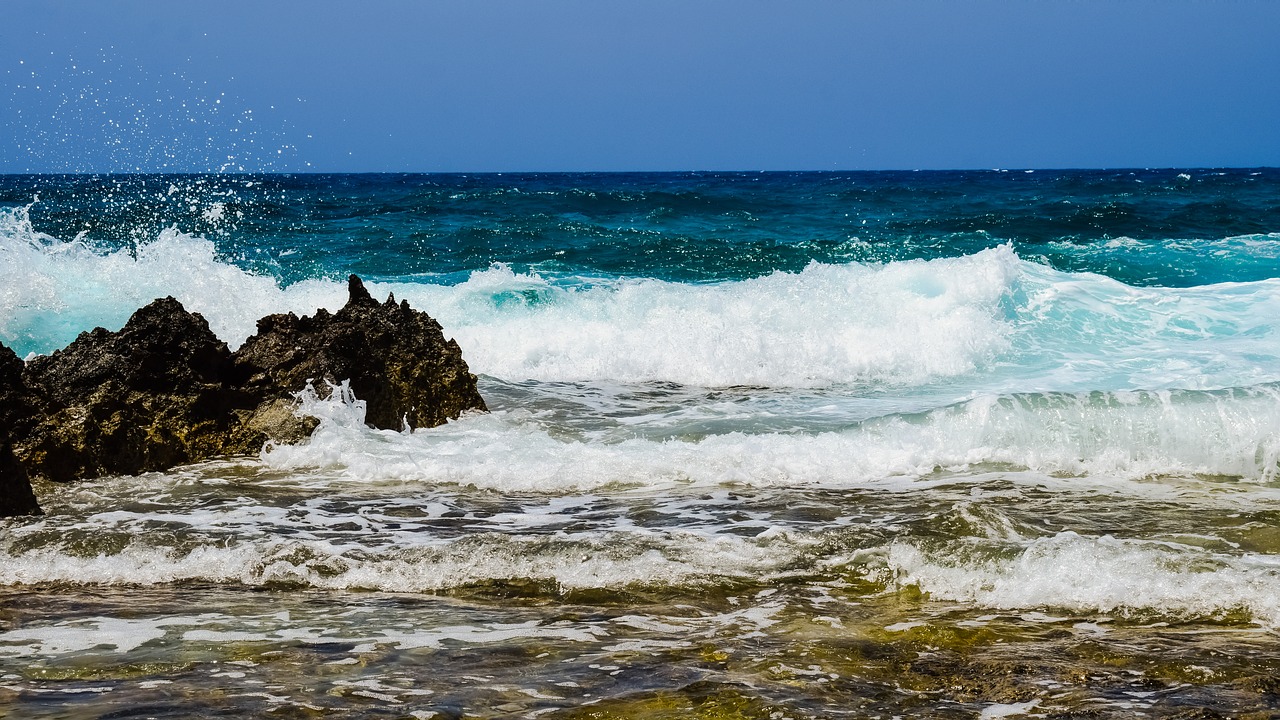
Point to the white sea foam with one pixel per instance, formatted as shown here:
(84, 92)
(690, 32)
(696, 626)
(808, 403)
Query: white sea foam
(1241, 248)
(123, 636)
(1128, 435)
(1067, 570)
(1099, 574)
(901, 323)
(1083, 331)
(988, 322)
(566, 561)
(1004, 710)
(365, 631)
(906, 322)
(51, 290)
(119, 634)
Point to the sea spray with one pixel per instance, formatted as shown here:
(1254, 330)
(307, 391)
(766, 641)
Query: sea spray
(55, 289)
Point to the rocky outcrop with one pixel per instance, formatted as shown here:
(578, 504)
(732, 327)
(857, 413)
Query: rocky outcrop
(158, 393)
(164, 391)
(397, 359)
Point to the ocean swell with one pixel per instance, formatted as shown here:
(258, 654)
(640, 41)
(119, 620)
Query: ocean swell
(991, 321)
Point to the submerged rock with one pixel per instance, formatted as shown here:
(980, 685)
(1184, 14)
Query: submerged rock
(397, 359)
(165, 391)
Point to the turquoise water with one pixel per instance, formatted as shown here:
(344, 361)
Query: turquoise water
(935, 444)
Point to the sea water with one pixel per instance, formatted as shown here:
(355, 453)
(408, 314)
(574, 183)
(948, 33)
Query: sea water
(780, 445)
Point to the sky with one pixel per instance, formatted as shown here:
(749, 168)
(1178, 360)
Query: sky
(590, 85)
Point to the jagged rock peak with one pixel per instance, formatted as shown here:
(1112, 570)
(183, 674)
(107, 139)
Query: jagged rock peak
(397, 359)
(357, 294)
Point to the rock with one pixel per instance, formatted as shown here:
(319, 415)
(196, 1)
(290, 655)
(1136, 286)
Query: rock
(273, 420)
(397, 359)
(16, 496)
(158, 393)
(17, 414)
(165, 391)
(18, 405)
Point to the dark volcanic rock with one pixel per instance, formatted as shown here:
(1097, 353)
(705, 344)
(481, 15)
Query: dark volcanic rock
(158, 393)
(396, 358)
(16, 496)
(164, 391)
(16, 417)
(16, 405)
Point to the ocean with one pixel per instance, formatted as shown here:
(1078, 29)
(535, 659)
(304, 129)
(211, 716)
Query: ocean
(762, 445)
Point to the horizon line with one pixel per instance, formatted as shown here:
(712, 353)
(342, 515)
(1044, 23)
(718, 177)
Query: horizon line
(240, 173)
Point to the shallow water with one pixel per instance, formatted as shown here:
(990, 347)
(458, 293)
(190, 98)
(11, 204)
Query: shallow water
(233, 586)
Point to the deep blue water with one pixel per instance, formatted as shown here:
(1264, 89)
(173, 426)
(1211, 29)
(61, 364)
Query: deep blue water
(683, 226)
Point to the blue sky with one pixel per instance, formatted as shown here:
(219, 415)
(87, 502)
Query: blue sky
(591, 85)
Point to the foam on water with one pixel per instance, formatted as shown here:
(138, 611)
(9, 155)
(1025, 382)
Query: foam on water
(1191, 259)
(1098, 574)
(901, 323)
(566, 561)
(1129, 435)
(121, 635)
(124, 636)
(1009, 567)
(1079, 331)
(988, 322)
(827, 324)
(364, 629)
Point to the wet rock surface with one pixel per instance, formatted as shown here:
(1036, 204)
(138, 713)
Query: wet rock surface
(16, 496)
(16, 416)
(165, 391)
(158, 393)
(397, 359)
